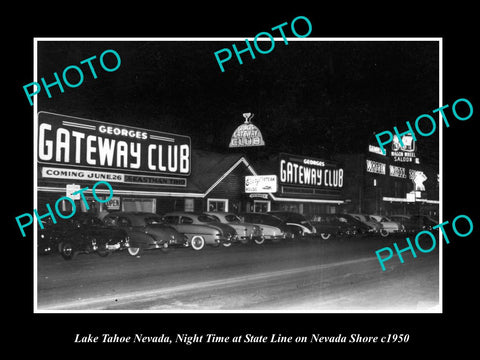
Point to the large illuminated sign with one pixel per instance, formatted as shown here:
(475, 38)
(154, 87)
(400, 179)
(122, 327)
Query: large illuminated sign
(405, 153)
(376, 167)
(88, 144)
(398, 171)
(309, 172)
(247, 134)
(261, 184)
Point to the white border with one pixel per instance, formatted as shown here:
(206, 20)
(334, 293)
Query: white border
(438, 309)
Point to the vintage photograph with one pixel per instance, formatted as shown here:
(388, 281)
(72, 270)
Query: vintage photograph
(236, 174)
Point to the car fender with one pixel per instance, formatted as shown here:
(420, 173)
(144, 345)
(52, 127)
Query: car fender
(270, 230)
(137, 238)
(304, 229)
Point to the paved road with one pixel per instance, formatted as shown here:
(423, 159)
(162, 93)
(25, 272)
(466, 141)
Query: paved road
(310, 275)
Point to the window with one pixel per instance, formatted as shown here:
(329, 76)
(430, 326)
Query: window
(217, 205)
(149, 220)
(215, 218)
(186, 220)
(189, 205)
(139, 204)
(207, 218)
(95, 221)
(109, 220)
(261, 206)
(122, 221)
(232, 218)
(171, 219)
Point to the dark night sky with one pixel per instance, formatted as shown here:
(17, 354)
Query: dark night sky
(309, 97)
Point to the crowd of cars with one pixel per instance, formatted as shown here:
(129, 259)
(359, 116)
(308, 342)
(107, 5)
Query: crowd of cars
(136, 232)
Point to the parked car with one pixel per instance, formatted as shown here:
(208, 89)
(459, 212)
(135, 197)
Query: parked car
(425, 222)
(245, 231)
(415, 223)
(47, 240)
(145, 231)
(372, 223)
(389, 226)
(409, 225)
(201, 229)
(272, 228)
(298, 224)
(329, 225)
(361, 228)
(82, 233)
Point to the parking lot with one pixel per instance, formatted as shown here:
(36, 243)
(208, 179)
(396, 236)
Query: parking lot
(307, 275)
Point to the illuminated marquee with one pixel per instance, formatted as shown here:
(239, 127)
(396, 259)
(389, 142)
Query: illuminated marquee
(247, 134)
(398, 171)
(405, 153)
(376, 167)
(261, 183)
(82, 143)
(310, 172)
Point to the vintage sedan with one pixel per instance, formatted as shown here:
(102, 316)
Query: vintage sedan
(329, 225)
(374, 225)
(145, 231)
(201, 229)
(272, 227)
(424, 221)
(298, 224)
(361, 228)
(246, 231)
(82, 233)
(389, 226)
(415, 223)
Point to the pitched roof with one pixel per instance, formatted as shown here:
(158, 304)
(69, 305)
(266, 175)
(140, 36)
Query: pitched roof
(208, 167)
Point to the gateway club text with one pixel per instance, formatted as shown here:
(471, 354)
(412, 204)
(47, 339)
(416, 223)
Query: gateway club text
(68, 146)
(93, 144)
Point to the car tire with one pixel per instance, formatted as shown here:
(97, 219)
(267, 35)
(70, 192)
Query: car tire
(67, 251)
(165, 248)
(134, 251)
(259, 241)
(325, 236)
(103, 253)
(197, 242)
(384, 232)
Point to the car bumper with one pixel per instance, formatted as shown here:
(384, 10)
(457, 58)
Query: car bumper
(275, 237)
(226, 239)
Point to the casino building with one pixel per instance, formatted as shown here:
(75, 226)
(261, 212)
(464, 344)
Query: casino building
(396, 182)
(306, 185)
(159, 172)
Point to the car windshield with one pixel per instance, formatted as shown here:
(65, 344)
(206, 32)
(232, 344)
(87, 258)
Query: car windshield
(151, 220)
(232, 218)
(208, 218)
(270, 220)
